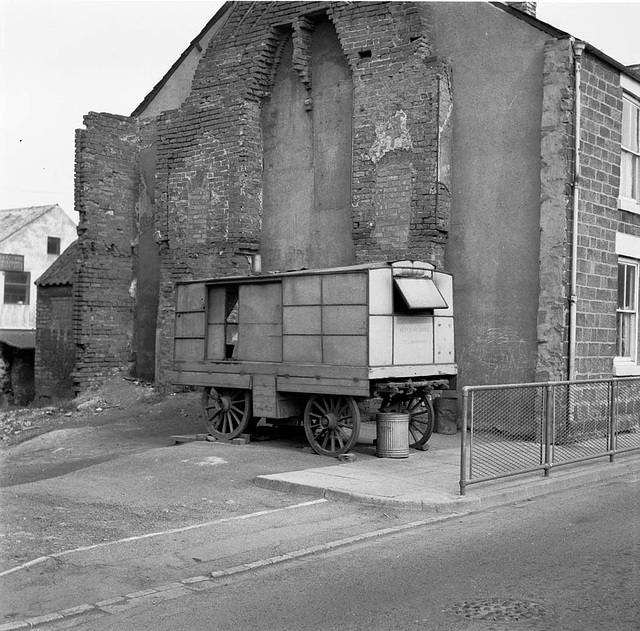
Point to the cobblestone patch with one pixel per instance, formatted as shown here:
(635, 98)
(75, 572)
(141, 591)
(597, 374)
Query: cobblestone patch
(499, 610)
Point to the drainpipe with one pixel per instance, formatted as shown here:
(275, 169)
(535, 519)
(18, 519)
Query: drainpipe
(578, 49)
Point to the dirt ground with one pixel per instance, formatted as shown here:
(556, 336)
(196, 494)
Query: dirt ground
(94, 407)
(112, 463)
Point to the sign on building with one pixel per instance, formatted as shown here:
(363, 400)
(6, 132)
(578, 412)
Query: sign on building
(11, 262)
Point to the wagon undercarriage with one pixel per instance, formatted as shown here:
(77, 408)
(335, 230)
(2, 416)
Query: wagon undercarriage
(331, 421)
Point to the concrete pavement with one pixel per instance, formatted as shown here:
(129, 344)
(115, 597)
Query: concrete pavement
(429, 481)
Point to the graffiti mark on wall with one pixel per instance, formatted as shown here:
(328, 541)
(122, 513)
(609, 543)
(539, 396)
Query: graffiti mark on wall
(498, 354)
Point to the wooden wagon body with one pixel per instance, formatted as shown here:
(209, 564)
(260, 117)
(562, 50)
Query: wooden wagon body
(274, 340)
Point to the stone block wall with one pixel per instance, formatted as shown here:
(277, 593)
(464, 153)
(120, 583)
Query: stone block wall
(598, 216)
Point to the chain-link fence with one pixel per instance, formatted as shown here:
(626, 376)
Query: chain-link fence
(520, 428)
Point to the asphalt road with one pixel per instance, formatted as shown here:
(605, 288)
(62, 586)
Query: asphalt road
(566, 562)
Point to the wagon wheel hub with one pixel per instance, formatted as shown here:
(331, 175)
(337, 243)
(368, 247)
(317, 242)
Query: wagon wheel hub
(225, 403)
(329, 421)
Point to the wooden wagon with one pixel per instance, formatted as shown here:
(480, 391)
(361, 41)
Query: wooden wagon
(315, 345)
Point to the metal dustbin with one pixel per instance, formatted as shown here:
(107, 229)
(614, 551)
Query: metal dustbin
(392, 439)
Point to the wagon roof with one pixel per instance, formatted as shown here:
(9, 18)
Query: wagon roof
(304, 272)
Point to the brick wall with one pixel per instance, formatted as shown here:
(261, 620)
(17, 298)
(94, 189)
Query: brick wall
(55, 348)
(598, 216)
(106, 184)
(209, 158)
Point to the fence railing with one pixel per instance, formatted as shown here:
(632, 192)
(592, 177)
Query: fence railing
(514, 429)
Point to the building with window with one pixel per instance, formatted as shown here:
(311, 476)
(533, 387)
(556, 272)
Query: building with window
(316, 134)
(627, 359)
(30, 241)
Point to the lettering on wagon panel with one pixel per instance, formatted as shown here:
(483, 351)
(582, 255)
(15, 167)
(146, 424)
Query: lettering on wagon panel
(412, 340)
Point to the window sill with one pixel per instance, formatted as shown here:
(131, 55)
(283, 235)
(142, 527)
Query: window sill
(626, 370)
(630, 205)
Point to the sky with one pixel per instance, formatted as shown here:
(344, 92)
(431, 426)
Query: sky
(60, 59)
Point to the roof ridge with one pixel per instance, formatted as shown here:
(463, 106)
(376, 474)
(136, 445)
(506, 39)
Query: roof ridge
(19, 220)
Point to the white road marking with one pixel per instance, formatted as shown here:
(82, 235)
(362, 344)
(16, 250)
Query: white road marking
(172, 531)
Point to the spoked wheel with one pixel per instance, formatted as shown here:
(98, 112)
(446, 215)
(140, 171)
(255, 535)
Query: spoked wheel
(421, 419)
(331, 423)
(227, 411)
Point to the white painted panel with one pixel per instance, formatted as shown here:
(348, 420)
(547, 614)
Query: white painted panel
(380, 292)
(413, 340)
(444, 283)
(380, 338)
(444, 349)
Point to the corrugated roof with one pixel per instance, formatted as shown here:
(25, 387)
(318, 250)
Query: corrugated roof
(14, 219)
(62, 270)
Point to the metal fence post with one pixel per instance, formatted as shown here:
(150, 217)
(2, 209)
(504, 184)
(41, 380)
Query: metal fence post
(463, 443)
(613, 419)
(548, 428)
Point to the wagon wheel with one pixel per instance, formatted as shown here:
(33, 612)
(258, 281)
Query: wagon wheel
(331, 423)
(227, 411)
(421, 419)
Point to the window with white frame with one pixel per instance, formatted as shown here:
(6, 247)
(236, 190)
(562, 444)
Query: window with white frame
(627, 311)
(630, 163)
(16, 288)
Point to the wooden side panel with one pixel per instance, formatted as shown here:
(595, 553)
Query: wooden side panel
(269, 403)
(301, 290)
(305, 349)
(216, 327)
(264, 396)
(260, 322)
(217, 297)
(344, 350)
(260, 303)
(190, 297)
(302, 320)
(189, 349)
(190, 324)
(260, 342)
(217, 380)
(310, 385)
(215, 342)
(380, 340)
(344, 289)
(344, 319)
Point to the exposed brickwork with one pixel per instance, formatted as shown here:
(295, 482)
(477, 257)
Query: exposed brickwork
(599, 184)
(107, 185)
(209, 152)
